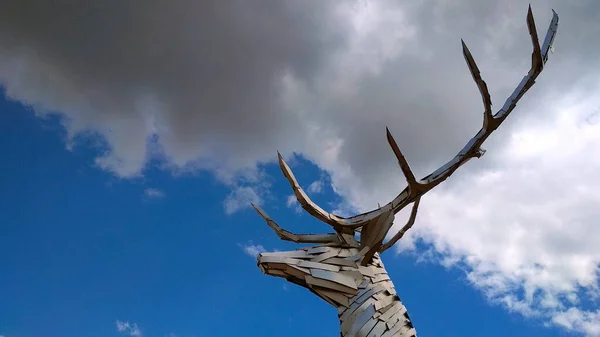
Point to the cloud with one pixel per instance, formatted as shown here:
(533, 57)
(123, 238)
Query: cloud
(574, 319)
(160, 79)
(241, 198)
(253, 250)
(525, 229)
(292, 202)
(316, 187)
(154, 193)
(211, 85)
(128, 329)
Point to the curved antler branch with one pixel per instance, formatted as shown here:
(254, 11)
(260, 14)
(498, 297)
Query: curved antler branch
(408, 174)
(403, 230)
(308, 205)
(297, 238)
(483, 89)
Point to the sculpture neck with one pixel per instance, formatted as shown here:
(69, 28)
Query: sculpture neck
(376, 311)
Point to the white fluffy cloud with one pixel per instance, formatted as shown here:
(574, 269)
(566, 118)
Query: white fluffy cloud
(526, 227)
(574, 319)
(253, 250)
(241, 198)
(128, 329)
(155, 81)
(154, 193)
(293, 203)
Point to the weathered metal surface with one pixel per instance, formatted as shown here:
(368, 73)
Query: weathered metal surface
(363, 295)
(348, 273)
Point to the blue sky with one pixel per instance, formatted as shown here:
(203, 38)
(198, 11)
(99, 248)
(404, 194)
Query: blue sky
(150, 127)
(81, 250)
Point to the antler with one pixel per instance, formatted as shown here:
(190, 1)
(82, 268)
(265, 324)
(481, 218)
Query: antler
(375, 224)
(297, 238)
(471, 150)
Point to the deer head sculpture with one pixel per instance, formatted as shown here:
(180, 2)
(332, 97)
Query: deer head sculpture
(348, 273)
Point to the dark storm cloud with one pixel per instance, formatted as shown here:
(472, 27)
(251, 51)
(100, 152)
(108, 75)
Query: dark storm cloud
(210, 64)
(206, 76)
(427, 97)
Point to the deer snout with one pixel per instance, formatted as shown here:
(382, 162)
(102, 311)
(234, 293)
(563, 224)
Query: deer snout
(283, 264)
(264, 266)
(271, 264)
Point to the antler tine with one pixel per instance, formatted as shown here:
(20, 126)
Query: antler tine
(312, 208)
(297, 238)
(483, 89)
(404, 229)
(410, 177)
(549, 40)
(536, 57)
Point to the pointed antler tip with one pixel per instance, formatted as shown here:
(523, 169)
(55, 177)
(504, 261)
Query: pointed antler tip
(464, 46)
(256, 208)
(280, 159)
(465, 49)
(389, 136)
(260, 212)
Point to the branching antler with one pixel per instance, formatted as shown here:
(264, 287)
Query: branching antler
(297, 238)
(374, 225)
(403, 230)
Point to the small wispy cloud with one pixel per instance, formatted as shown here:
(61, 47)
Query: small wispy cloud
(293, 203)
(241, 198)
(128, 329)
(154, 193)
(316, 186)
(253, 250)
(575, 319)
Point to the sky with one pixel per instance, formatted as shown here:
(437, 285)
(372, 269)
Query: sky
(135, 136)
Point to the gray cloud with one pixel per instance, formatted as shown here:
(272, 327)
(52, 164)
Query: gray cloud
(199, 75)
(205, 79)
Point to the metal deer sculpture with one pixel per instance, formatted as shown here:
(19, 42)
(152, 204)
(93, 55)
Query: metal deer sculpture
(348, 273)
